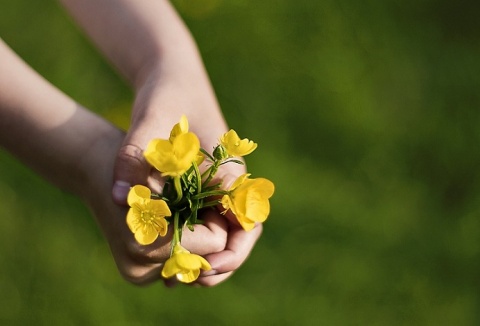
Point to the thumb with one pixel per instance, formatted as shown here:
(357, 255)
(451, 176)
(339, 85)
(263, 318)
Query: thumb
(130, 169)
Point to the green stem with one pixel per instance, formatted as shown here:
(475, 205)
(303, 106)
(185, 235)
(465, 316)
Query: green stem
(210, 203)
(207, 154)
(213, 169)
(207, 171)
(210, 193)
(178, 189)
(176, 230)
(198, 176)
(212, 187)
(176, 233)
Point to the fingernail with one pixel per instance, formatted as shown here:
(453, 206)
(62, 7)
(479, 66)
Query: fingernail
(210, 272)
(120, 191)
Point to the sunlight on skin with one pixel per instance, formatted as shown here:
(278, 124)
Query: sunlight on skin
(15, 75)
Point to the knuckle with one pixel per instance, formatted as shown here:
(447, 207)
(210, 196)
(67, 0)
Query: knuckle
(133, 248)
(217, 244)
(137, 251)
(136, 273)
(150, 254)
(131, 154)
(135, 276)
(237, 262)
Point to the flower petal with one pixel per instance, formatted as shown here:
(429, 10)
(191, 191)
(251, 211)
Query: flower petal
(159, 207)
(265, 187)
(133, 220)
(170, 268)
(173, 158)
(188, 276)
(146, 234)
(161, 226)
(246, 224)
(241, 179)
(157, 153)
(257, 209)
(179, 128)
(138, 194)
(186, 147)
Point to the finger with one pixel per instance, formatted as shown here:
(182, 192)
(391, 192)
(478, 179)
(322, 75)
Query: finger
(209, 237)
(130, 169)
(213, 280)
(239, 245)
(141, 274)
(227, 174)
(206, 238)
(155, 253)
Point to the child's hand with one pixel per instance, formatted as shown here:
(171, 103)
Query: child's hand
(141, 264)
(151, 46)
(158, 106)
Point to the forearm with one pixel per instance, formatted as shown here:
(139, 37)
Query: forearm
(138, 36)
(42, 127)
(148, 43)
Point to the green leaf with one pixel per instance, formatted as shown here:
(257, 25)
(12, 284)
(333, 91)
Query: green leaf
(204, 152)
(234, 161)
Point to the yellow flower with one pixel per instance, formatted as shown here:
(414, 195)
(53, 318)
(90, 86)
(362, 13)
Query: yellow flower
(146, 217)
(236, 146)
(248, 200)
(179, 128)
(184, 265)
(182, 128)
(173, 158)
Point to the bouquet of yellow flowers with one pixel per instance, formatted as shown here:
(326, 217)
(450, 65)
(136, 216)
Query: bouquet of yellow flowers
(186, 191)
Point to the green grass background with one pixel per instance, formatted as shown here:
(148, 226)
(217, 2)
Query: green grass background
(367, 118)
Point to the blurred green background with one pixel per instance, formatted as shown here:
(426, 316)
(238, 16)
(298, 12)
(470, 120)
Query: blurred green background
(367, 118)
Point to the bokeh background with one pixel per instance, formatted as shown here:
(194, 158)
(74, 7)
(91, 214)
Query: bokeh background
(367, 118)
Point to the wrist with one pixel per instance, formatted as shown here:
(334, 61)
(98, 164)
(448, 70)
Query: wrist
(165, 95)
(95, 166)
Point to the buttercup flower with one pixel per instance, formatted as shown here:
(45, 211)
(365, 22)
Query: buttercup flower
(235, 146)
(146, 217)
(173, 158)
(248, 200)
(184, 265)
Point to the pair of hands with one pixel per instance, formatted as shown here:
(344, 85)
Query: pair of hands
(82, 153)
(118, 156)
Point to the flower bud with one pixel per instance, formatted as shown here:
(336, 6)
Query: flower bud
(220, 153)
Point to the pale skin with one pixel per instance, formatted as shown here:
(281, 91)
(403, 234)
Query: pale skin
(82, 153)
